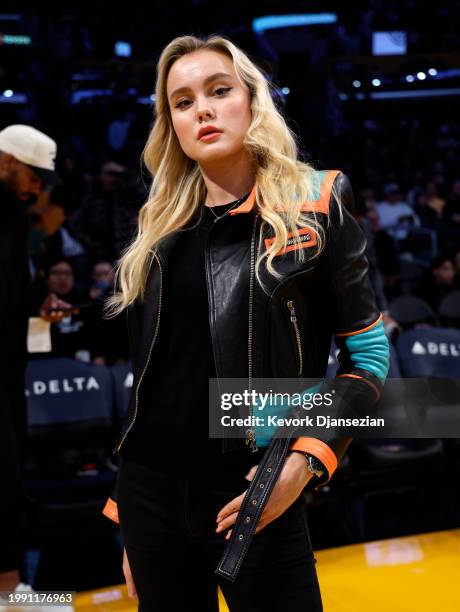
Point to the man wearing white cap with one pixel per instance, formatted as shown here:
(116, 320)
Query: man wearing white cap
(27, 160)
(26, 164)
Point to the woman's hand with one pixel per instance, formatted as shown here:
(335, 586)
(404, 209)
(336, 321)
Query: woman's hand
(129, 578)
(293, 478)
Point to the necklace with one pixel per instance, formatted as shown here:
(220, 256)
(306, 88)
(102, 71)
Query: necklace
(228, 209)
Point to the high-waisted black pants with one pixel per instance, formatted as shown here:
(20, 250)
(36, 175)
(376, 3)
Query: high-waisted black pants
(168, 527)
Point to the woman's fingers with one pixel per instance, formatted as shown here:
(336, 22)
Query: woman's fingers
(250, 475)
(227, 522)
(230, 508)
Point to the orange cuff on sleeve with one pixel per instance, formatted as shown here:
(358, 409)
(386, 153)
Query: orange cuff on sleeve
(318, 449)
(111, 510)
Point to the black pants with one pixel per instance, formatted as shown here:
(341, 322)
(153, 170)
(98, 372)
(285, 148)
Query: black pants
(12, 502)
(168, 527)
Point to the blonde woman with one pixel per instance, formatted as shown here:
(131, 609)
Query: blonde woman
(246, 263)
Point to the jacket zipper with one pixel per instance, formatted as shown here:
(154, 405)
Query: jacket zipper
(250, 433)
(295, 325)
(157, 327)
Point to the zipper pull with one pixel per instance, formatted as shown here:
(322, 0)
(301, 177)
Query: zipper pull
(251, 440)
(290, 305)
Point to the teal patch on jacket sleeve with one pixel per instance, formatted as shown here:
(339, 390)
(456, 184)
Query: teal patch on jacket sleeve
(370, 350)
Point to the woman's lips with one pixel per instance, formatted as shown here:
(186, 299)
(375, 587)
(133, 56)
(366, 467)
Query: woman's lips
(210, 136)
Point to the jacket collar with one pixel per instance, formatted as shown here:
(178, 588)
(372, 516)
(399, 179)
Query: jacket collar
(247, 205)
(322, 189)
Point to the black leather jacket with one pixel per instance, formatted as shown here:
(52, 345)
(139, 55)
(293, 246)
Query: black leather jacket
(252, 331)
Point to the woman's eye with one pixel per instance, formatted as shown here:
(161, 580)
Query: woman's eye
(182, 103)
(221, 91)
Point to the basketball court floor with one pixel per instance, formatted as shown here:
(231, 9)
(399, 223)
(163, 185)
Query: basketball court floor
(410, 574)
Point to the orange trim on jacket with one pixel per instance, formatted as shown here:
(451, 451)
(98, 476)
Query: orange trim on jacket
(360, 331)
(318, 449)
(247, 205)
(111, 510)
(363, 379)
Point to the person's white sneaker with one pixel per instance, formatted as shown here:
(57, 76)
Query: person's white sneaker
(26, 588)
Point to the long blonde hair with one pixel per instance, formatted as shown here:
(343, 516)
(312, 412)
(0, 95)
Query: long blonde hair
(282, 181)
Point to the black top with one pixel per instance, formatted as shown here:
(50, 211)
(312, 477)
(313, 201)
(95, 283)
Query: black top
(170, 433)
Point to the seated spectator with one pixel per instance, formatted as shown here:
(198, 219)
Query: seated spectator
(439, 281)
(433, 200)
(74, 335)
(394, 211)
(103, 276)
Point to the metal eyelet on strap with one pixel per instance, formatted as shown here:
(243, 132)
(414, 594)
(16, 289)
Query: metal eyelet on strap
(247, 519)
(241, 537)
(254, 502)
(269, 469)
(261, 485)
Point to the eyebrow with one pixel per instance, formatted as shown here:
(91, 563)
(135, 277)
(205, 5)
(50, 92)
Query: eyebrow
(209, 79)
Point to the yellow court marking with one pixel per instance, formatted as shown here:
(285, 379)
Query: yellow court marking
(418, 573)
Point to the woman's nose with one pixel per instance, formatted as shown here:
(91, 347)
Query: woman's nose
(204, 112)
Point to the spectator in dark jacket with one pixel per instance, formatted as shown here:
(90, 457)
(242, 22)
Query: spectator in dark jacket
(26, 161)
(439, 281)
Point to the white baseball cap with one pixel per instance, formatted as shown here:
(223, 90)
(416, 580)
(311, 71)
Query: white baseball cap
(33, 148)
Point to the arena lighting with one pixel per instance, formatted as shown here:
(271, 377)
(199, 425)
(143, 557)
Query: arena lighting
(8, 93)
(356, 83)
(421, 76)
(82, 94)
(410, 78)
(273, 22)
(122, 49)
(376, 82)
(13, 39)
(14, 98)
(421, 93)
(447, 74)
(285, 90)
(146, 100)
(432, 72)
(389, 43)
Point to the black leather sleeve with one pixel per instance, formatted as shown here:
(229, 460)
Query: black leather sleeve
(353, 300)
(356, 320)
